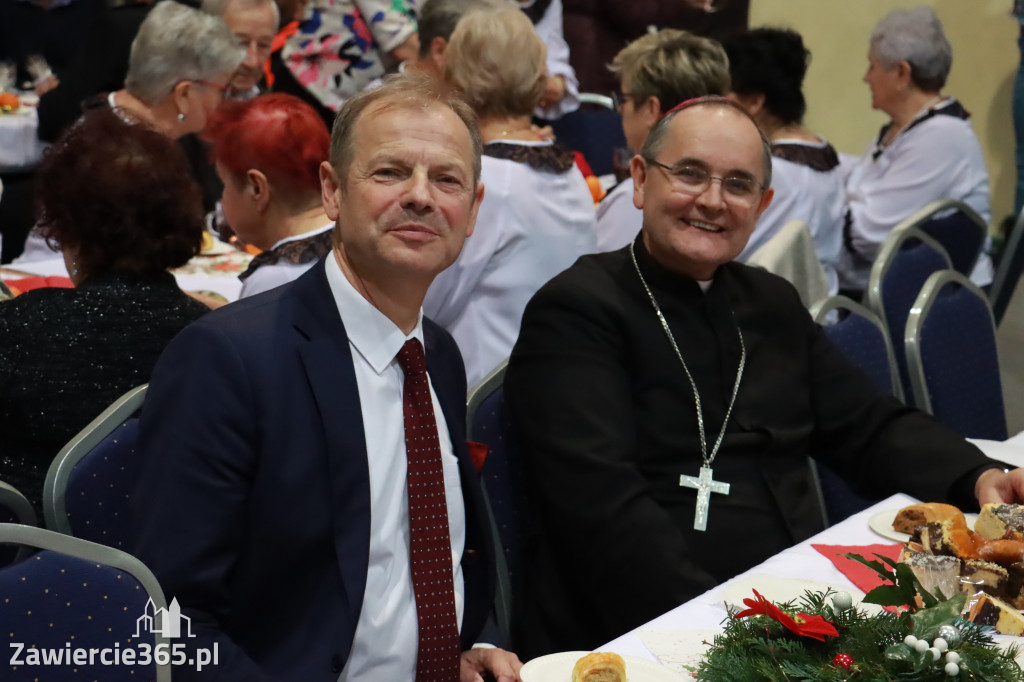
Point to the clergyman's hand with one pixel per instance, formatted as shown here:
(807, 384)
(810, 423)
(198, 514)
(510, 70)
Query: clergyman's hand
(1001, 487)
(503, 665)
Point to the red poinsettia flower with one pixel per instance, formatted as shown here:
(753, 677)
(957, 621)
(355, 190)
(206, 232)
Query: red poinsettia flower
(801, 623)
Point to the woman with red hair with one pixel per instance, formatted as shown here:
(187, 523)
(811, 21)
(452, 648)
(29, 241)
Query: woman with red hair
(268, 152)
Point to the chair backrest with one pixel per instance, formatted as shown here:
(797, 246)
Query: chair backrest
(88, 485)
(14, 508)
(906, 259)
(594, 130)
(790, 254)
(862, 337)
(952, 357)
(954, 225)
(1008, 272)
(489, 422)
(76, 595)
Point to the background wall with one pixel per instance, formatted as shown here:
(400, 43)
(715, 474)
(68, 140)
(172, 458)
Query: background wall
(985, 58)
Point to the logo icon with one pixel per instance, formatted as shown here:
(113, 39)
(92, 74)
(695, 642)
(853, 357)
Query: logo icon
(166, 622)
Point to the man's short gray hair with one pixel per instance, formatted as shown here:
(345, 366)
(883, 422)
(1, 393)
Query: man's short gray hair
(655, 141)
(176, 43)
(915, 36)
(218, 7)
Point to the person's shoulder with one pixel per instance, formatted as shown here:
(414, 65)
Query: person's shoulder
(591, 277)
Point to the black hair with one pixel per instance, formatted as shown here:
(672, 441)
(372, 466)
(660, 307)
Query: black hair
(771, 62)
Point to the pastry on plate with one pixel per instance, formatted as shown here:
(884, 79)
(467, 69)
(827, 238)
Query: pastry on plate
(910, 519)
(997, 520)
(600, 667)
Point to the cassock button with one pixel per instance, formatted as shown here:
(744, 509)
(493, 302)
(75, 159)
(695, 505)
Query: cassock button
(336, 664)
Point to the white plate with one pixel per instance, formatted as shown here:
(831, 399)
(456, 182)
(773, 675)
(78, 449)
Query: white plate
(558, 668)
(881, 523)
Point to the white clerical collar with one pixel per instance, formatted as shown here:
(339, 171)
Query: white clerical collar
(373, 335)
(704, 284)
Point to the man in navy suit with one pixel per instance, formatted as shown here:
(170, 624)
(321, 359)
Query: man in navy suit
(272, 501)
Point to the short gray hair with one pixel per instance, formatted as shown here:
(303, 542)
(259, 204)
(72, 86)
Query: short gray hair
(915, 36)
(176, 43)
(438, 18)
(218, 7)
(656, 138)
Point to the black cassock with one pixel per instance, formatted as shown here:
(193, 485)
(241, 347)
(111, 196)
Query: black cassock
(607, 424)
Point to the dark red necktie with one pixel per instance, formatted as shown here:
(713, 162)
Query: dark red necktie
(430, 547)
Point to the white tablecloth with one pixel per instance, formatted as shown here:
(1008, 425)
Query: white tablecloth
(20, 148)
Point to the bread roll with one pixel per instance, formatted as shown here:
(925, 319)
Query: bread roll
(600, 667)
(910, 519)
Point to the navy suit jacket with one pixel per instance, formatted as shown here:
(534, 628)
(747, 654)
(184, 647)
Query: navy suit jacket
(253, 502)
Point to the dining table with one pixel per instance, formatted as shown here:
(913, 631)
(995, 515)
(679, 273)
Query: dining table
(20, 147)
(680, 637)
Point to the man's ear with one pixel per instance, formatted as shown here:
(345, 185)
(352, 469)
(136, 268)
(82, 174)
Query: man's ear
(478, 197)
(329, 189)
(258, 189)
(638, 170)
(766, 201)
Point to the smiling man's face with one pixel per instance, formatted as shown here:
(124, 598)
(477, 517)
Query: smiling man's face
(693, 234)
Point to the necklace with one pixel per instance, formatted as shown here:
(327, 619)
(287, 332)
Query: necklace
(899, 131)
(704, 484)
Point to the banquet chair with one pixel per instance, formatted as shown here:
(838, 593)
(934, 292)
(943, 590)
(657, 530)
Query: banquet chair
(489, 422)
(14, 508)
(954, 225)
(594, 130)
(88, 595)
(906, 259)
(88, 485)
(952, 357)
(864, 340)
(1007, 274)
(790, 254)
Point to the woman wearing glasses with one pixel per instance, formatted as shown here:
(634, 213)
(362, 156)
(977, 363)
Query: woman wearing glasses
(767, 66)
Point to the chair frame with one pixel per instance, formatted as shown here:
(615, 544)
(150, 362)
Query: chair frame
(821, 309)
(55, 487)
(30, 536)
(1007, 275)
(912, 335)
(940, 206)
(890, 247)
(24, 512)
(503, 587)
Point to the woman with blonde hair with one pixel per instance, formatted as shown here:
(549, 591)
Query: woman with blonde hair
(537, 215)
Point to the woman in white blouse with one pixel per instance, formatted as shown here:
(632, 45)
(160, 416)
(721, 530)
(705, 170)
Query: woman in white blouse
(927, 151)
(767, 66)
(537, 214)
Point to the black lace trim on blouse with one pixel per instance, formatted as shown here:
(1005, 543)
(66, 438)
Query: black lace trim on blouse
(822, 159)
(298, 251)
(554, 158)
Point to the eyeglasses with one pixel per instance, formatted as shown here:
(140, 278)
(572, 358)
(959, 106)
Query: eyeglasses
(694, 180)
(619, 98)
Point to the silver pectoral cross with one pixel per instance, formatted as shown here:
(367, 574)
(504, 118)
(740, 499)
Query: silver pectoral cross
(705, 485)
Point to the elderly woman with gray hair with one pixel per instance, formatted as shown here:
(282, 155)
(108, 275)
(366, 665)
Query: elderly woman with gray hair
(181, 62)
(927, 150)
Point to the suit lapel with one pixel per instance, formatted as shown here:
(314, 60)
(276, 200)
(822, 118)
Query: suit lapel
(327, 359)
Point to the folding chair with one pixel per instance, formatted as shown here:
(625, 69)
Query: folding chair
(1008, 273)
(489, 422)
(89, 483)
(76, 595)
(906, 259)
(14, 508)
(954, 225)
(952, 357)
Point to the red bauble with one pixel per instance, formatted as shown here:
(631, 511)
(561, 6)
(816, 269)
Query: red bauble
(843, 660)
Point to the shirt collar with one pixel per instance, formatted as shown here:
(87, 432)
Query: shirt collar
(375, 337)
(304, 235)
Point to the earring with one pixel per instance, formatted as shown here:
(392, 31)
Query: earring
(181, 117)
(74, 267)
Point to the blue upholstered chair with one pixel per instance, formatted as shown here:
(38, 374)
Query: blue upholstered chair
(1007, 275)
(78, 595)
(14, 508)
(952, 357)
(595, 130)
(954, 225)
(89, 483)
(864, 340)
(489, 422)
(905, 261)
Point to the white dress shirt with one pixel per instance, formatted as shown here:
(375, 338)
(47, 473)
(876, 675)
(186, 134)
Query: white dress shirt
(813, 196)
(937, 159)
(274, 275)
(618, 220)
(531, 226)
(385, 643)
